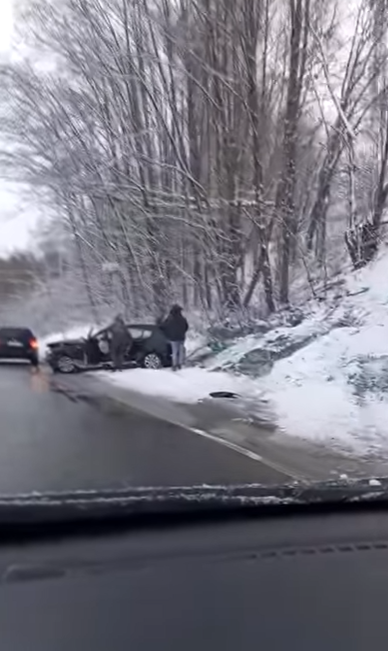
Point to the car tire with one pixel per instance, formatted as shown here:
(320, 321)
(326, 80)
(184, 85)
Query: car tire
(152, 360)
(64, 364)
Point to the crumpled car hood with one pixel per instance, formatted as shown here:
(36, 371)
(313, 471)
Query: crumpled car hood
(62, 342)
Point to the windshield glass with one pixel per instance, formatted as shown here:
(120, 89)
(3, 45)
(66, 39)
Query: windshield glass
(194, 238)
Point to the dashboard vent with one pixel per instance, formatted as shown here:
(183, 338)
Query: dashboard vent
(327, 549)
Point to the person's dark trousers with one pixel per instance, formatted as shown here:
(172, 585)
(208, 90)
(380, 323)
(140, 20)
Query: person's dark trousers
(178, 354)
(118, 358)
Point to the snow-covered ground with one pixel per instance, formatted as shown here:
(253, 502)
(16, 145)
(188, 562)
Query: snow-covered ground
(194, 343)
(188, 385)
(335, 390)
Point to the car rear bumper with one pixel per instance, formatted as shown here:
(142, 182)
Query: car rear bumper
(18, 353)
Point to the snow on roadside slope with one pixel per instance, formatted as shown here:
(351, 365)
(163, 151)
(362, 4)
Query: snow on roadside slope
(195, 341)
(323, 392)
(188, 385)
(314, 324)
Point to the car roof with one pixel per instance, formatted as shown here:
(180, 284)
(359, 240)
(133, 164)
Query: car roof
(133, 325)
(145, 326)
(15, 330)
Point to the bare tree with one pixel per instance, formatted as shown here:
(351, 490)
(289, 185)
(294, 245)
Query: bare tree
(189, 147)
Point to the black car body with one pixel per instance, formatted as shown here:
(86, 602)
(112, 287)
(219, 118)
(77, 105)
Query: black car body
(18, 344)
(149, 349)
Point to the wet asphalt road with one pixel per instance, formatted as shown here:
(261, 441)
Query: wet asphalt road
(49, 442)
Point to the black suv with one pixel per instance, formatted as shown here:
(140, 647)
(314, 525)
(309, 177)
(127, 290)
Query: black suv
(18, 343)
(149, 349)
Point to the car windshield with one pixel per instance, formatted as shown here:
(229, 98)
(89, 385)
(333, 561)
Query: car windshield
(14, 333)
(193, 243)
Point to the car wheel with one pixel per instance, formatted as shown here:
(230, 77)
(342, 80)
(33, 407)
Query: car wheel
(152, 360)
(65, 364)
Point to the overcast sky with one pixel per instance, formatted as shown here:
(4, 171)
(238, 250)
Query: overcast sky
(16, 218)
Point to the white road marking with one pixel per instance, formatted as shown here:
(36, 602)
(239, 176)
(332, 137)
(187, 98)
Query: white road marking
(221, 441)
(240, 450)
(225, 442)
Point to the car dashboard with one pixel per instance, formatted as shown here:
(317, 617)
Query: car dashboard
(303, 581)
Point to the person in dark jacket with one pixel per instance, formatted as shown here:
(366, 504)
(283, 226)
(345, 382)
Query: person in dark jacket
(175, 328)
(120, 341)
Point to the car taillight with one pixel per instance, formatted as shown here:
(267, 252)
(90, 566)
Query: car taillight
(34, 344)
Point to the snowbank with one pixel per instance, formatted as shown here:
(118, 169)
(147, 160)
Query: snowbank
(335, 390)
(276, 342)
(195, 342)
(188, 385)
